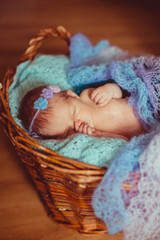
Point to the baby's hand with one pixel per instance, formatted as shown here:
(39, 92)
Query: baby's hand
(102, 95)
(83, 127)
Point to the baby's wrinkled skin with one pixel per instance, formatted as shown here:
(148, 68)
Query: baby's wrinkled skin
(100, 112)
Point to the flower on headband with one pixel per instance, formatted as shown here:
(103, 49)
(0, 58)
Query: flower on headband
(55, 88)
(47, 93)
(41, 103)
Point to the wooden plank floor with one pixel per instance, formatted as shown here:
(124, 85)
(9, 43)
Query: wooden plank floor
(132, 25)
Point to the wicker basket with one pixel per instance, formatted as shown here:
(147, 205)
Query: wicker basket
(65, 185)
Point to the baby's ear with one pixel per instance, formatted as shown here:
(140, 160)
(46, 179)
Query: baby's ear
(71, 93)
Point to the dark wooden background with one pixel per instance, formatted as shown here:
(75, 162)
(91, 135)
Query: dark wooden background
(132, 25)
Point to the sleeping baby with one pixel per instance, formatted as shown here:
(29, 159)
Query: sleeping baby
(48, 112)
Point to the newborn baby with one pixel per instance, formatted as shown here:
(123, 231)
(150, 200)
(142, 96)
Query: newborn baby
(48, 112)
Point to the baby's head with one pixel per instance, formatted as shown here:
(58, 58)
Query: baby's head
(48, 112)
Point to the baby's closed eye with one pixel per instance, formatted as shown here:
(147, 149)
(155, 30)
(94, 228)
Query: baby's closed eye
(74, 111)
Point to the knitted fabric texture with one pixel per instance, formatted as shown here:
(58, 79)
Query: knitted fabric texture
(121, 209)
(46, 69)
(148, 69)
(144, 209)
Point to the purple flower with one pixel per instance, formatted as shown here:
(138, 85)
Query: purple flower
(47, 93)
(55, 88)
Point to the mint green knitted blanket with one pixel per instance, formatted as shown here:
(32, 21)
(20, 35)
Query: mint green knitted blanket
(49, 69)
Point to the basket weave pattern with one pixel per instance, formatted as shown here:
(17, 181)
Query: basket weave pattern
(65, 185)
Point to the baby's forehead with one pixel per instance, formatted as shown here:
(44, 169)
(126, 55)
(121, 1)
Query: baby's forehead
(57, 119)
(57, 106)
(57, 101)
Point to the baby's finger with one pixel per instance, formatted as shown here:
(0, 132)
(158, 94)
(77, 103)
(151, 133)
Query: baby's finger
(85, 129)
(103, 101)
(76, 125)
(89, 130)
(98, 97)
(94, 93)
(80, 128)
(102, 104)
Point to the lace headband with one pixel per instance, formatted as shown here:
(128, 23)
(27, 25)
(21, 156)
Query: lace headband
(41, 104)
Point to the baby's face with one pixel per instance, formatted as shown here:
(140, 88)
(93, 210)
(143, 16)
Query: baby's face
(62, 122)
